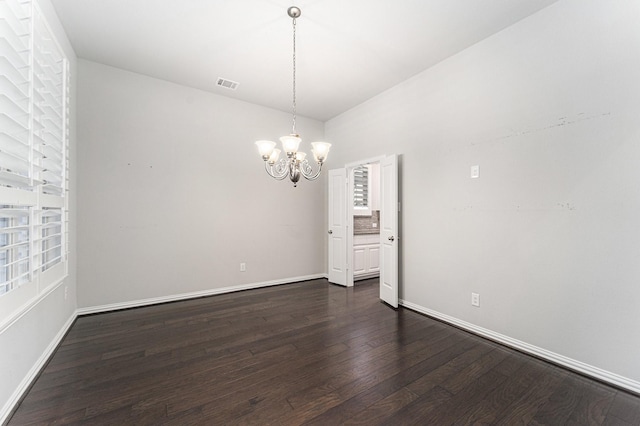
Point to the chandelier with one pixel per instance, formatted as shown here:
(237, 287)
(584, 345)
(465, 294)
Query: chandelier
(295, 164)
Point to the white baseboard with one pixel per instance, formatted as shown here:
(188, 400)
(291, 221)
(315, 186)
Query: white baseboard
(192, 295)
(17, 395)
(572, 364)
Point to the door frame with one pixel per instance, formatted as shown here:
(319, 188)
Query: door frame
(349, 195)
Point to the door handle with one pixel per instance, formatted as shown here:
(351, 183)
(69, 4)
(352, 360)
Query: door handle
(391, 238)
(330, 232)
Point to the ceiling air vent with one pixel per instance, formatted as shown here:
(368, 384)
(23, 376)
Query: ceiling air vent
(227, 84)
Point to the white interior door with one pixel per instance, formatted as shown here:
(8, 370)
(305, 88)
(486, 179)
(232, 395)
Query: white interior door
(389, 230)
(338, 226)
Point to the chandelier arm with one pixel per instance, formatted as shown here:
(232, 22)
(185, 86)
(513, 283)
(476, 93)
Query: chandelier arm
(307, 171)
(274, 173)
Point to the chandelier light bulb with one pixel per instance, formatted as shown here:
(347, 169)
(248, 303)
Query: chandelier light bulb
(274, 156)
(290, 144)
(320, 151)
(265, 148)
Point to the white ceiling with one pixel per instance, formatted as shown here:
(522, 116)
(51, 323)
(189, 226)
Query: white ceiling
(348, 50)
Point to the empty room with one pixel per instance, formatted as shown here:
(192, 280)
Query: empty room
(319, 212)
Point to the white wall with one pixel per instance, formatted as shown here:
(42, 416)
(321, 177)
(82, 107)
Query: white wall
(30, 332)
(173, 195)
(549, 235)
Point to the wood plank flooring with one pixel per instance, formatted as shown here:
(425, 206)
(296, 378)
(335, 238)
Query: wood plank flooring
(305, 353)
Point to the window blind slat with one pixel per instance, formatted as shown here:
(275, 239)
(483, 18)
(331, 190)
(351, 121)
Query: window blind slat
(15, 15)
(13, 146)
(14, 229)
(52, 189)
(54, 123)
(16, 262)
(12, 74)
(8, 212)
(11, 246)
(11, 105)
(14, 164)
(18, 9)
(49, 98)
(14, 180)
(51, 177)
(17, 58)
(14, 124)
(18, 40)
(49, 152)
(52, 140)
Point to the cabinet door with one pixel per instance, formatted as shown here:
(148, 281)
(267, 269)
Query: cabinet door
(374, 258)
(359, 260)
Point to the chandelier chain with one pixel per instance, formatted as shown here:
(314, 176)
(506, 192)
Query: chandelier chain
(293, 131)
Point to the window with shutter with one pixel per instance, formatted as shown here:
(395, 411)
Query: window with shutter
(361, 184)
(34, 110)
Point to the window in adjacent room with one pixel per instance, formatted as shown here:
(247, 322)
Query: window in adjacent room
(361, 186)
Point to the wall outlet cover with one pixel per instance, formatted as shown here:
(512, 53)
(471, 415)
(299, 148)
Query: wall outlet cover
(475, 299)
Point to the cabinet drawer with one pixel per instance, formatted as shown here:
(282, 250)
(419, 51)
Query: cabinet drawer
(366, 239)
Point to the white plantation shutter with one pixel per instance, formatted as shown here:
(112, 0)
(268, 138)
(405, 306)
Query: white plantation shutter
(49, 109)
(14, 247)
(34, 110)
(361, 187)
(15, 59)
(51, 238)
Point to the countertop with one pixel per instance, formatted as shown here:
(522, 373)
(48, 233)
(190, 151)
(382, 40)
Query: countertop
(366, 231)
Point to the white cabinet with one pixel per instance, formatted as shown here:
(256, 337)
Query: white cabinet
(366, 255)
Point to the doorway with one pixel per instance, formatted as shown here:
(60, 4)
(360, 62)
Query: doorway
(342, 205)
(363, 213)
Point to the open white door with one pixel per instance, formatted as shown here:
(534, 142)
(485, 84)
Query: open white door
(389, 230)
(338, 226)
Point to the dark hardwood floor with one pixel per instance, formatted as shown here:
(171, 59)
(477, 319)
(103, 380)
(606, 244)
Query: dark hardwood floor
(304, 353)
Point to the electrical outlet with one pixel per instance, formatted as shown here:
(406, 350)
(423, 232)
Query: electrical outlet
(243, 267)
(66, 292)
(475, 299)
(475, 172)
